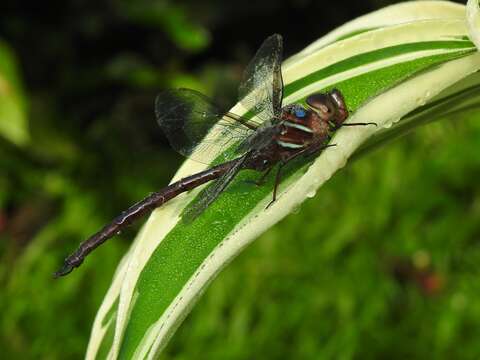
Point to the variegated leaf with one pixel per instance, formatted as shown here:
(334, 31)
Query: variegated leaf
(399, 67)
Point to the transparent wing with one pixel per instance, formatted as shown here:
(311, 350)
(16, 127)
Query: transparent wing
(212, 192)
(187, 116)
(261, 89)
(260, 139)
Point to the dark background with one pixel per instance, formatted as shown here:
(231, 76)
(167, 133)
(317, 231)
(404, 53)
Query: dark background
(382, 263)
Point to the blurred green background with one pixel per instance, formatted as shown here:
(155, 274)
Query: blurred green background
(382, 263)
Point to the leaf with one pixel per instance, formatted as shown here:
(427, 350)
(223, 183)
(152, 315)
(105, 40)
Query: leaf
(396, 67)
(13, 116)
(172, 18)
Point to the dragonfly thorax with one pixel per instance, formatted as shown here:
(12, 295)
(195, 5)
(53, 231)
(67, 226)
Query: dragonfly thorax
(300, 127)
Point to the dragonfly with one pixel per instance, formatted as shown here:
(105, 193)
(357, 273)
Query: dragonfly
(268, 136)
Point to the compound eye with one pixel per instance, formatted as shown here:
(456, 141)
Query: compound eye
(300, 113)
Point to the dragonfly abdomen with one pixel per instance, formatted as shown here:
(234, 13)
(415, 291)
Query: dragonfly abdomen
(140, 209)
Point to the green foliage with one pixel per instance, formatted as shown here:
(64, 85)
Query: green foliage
(13, 119)
(173, 19)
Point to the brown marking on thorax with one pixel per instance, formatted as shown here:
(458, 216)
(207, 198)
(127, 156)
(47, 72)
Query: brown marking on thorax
(289, 134)
(320, 128)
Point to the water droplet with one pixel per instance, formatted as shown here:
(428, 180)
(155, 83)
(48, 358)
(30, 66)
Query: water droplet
(422, 100)
(311, 193)
(388, 125)
(296, 209)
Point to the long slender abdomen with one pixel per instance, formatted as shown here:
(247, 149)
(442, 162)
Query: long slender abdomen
(138, 210)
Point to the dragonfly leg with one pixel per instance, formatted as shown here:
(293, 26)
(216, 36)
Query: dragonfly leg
(277, 181)
(312, 151)
(359, 124)
(303, 152)
(261, 181)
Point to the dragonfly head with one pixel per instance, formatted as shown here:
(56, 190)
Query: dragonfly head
(330, 107)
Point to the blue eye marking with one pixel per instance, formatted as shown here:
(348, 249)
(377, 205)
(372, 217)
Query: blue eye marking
(299, 112)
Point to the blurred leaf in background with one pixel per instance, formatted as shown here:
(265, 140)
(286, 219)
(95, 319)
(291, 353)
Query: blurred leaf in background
(13, 112)
(175, 20)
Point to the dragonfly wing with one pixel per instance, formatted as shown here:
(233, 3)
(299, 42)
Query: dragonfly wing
(212, 192)
(261, 89)
(260, 139)
(187, 118)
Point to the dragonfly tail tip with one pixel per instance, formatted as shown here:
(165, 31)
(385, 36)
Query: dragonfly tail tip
(64, 270)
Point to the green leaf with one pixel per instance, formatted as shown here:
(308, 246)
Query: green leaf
(396, 67)
(13, 114)
(172, 18)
